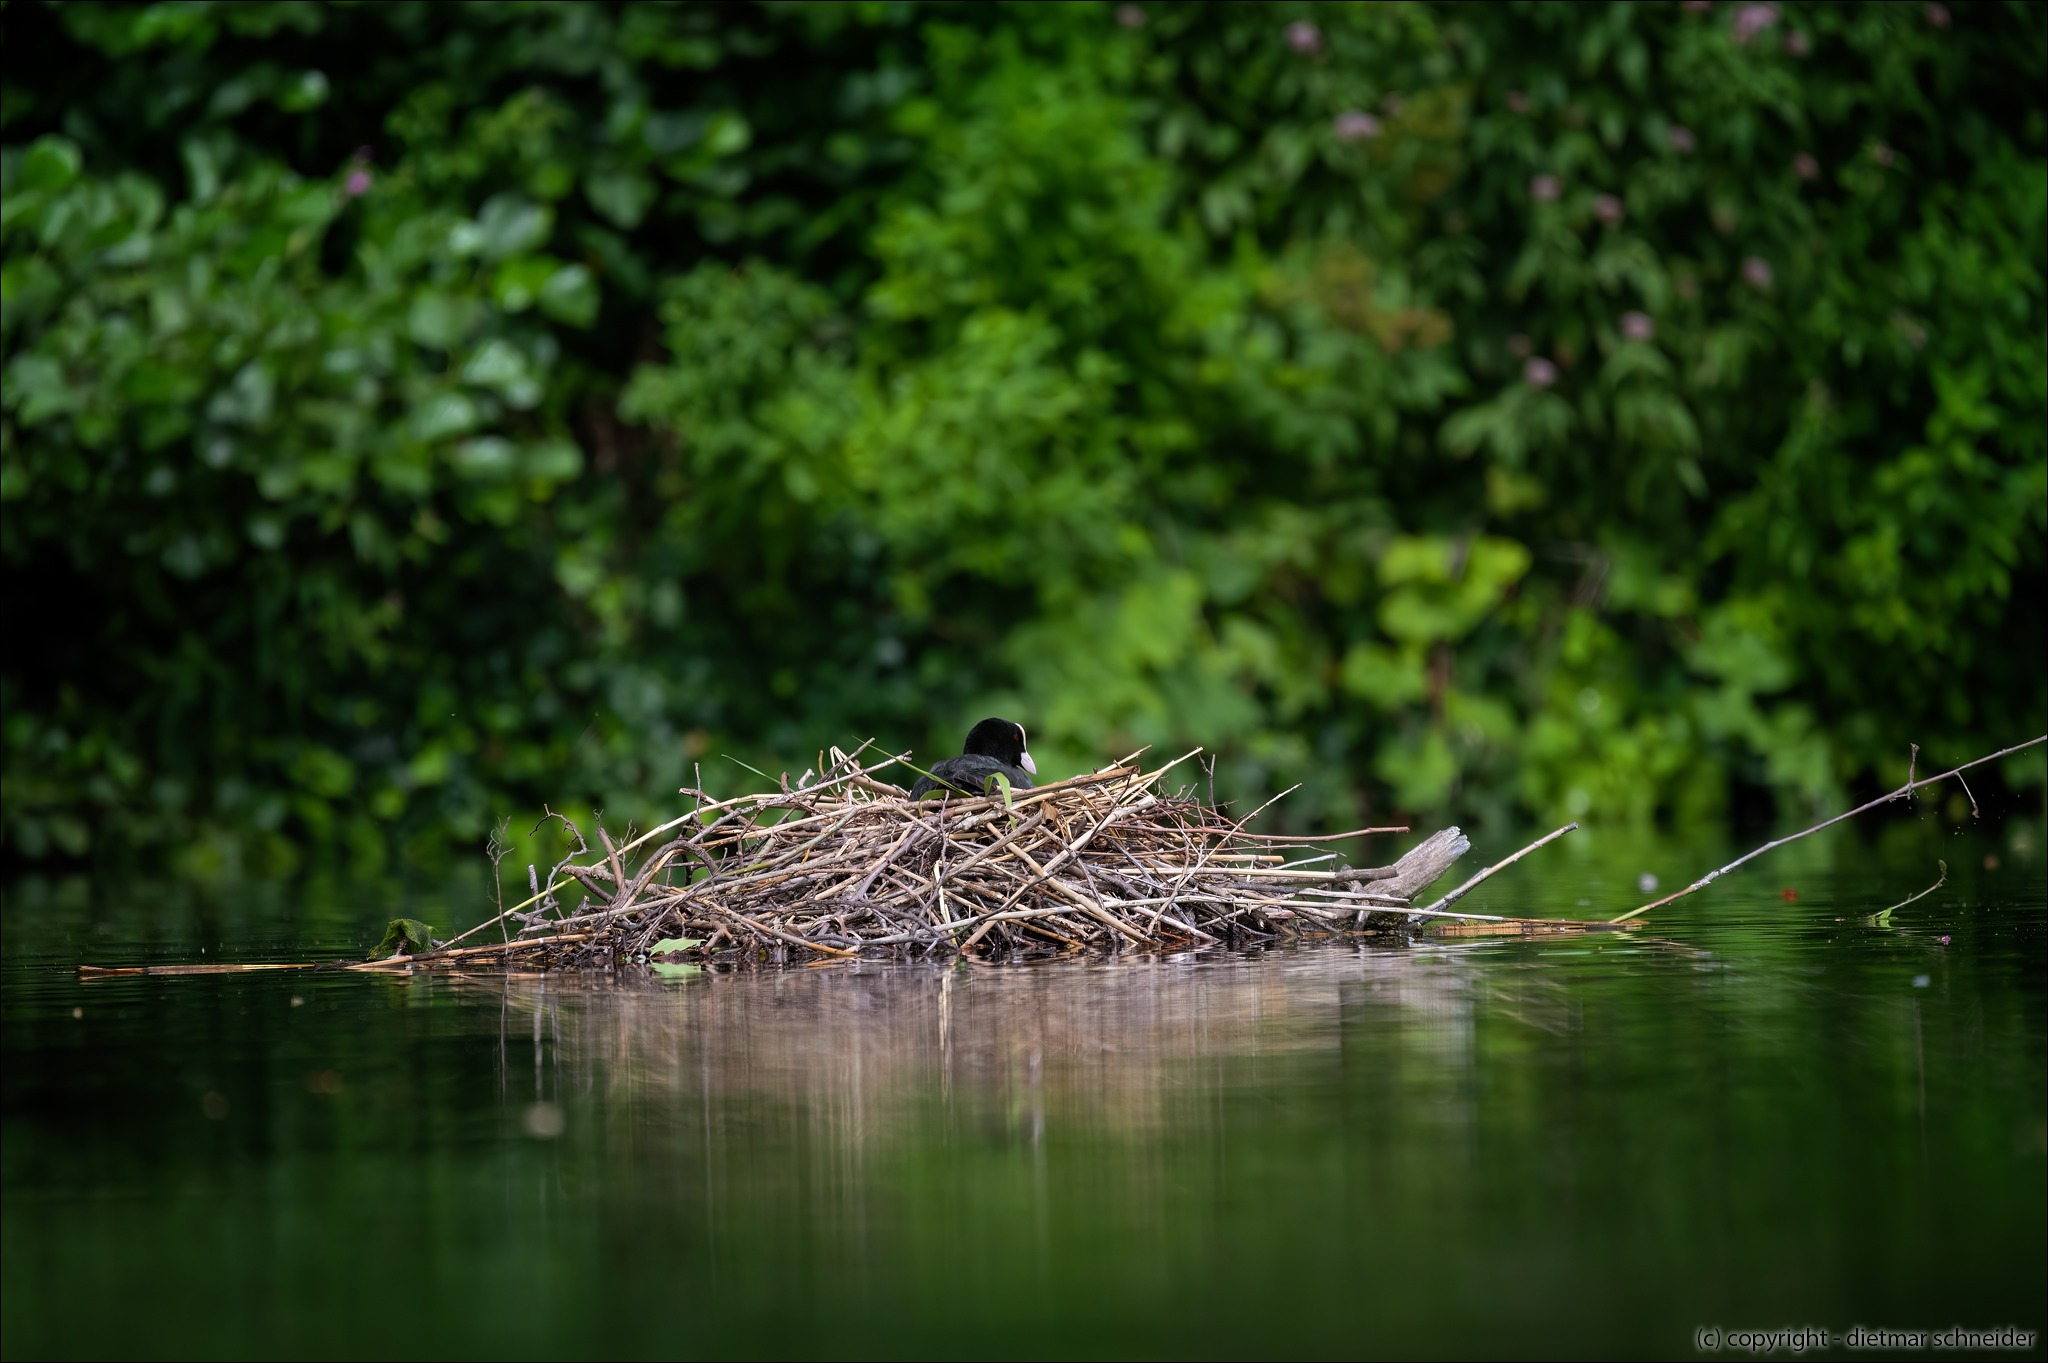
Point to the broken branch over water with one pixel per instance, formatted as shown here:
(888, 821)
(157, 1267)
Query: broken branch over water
(1455, 895)
(1902, 792)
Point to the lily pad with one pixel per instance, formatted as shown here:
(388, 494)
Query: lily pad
(404, 937)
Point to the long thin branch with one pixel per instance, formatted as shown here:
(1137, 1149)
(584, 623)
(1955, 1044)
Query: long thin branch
(1319, 837)
(1900, 793)
(1455, 895)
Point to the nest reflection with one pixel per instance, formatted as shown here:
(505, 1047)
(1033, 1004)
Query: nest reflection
(862, 1046)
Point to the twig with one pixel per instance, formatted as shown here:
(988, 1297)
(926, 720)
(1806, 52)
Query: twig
(497, 849)
(1455, 895)
(1268, 805)
(1321, 837)
(788, 937)
(445, 954)
(96, 972)
(1905, 790)
(1922, 895)
(611, 854)
(1030, 825)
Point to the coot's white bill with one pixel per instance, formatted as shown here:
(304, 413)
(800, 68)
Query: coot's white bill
(1028, 765)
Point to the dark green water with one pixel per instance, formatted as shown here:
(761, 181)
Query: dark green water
(1759, 1112)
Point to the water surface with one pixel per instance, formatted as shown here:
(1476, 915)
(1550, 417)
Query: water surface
(1759, 1111)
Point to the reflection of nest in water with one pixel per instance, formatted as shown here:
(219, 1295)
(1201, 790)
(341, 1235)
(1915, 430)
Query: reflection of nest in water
(846, 864)
(1135, 1044)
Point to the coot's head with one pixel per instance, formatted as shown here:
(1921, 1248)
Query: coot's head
(1002, 740)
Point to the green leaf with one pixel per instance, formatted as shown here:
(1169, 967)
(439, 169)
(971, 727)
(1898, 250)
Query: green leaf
(669, 944)
(519, 282)
(499, 365)
(512, 225)
(570, 295)
(672, 970)
(728, 133)
(621, 196)
(485, 457)
(324, 772)
(51, 164)
(551, 461)
(307, 90)
(1384, 677)
(404, 937)
(443, 414)
(441, 321)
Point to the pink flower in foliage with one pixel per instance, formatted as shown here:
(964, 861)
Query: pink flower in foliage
(1938, 16)
(1797, 43)
(358, 182)
(1637, 326)
(1304, 38)
(1608, 209)
(1880, 153)
(1539, 372)
(1130, 16)
(1681, 138)
(1518, 101)
(1355, 126)
(1756, 272)
(1751, 20)
(1805, 167)
(1544, 188)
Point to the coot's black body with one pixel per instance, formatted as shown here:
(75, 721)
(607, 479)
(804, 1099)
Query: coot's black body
(995, 747)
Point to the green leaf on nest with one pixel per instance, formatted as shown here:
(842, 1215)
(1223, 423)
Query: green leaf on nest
(669, 944)
(669, 971)
(404, 937)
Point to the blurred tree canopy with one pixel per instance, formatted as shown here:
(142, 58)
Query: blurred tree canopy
(416, 412)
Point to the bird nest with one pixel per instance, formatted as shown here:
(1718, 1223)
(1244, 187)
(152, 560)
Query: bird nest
(846, 864)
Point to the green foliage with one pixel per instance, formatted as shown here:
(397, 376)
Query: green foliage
(404, 937)
(418, 412)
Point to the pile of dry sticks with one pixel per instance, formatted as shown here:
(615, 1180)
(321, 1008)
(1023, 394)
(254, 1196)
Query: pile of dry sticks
(845, 864)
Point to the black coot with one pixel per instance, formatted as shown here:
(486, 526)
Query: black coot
(994, 747)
